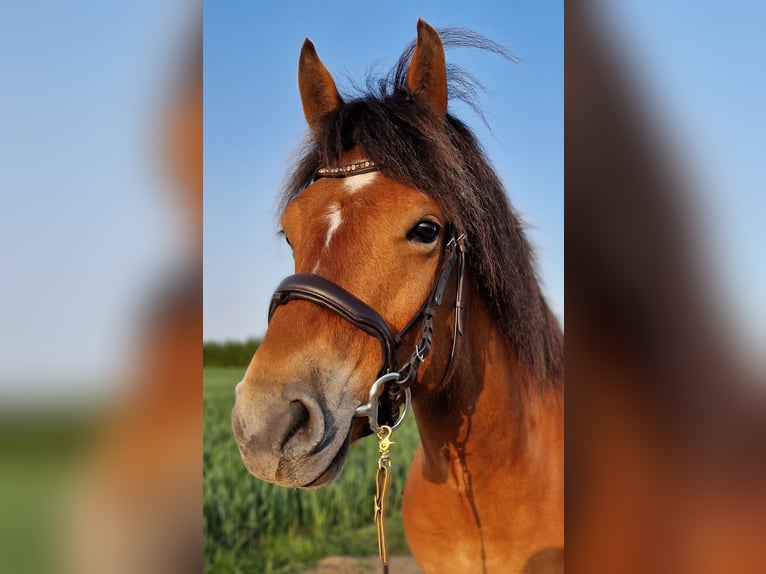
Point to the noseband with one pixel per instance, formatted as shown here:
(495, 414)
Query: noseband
(383, 409)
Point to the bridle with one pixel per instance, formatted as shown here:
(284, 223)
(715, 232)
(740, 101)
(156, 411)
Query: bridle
(384, 408)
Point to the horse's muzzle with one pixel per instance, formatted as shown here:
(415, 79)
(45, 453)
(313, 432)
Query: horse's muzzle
(291, 438)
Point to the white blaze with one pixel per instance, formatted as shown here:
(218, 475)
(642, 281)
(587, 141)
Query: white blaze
(334, 216)
(334, 219)
(357, 182)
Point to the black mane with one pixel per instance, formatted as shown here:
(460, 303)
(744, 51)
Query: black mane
(407, 140)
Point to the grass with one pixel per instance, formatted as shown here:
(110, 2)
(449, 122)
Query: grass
(252, 526)
(39, 451)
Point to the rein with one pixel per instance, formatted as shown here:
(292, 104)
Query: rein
(391, 390)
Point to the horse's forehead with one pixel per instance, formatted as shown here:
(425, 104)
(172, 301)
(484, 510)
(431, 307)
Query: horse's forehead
(359, 182)
(369, 195)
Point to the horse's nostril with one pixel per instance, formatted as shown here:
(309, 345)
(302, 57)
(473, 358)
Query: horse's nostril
(299, 415)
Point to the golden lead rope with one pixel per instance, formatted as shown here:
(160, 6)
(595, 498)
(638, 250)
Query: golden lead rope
(382, 479)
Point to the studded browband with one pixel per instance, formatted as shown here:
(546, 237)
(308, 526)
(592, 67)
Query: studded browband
(355, 168)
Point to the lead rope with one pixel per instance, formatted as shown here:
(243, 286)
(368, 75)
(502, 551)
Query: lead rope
(382, 480)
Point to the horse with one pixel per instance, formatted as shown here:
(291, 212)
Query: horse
(407, 252)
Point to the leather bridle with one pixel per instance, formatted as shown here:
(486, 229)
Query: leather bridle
(384, 409)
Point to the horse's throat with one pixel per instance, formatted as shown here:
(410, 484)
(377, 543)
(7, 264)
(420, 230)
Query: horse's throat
(491, 450)
(493, 417)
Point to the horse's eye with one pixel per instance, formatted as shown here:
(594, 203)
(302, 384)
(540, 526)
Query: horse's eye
(424, 232)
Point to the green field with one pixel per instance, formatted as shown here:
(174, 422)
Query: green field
(251, 526)
(41, 450)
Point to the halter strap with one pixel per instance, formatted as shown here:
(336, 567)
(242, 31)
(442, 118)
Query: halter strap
(454, 258)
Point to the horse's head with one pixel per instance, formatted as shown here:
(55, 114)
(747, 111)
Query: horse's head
(376, 238)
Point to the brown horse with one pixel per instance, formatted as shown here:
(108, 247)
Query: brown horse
(391, 196)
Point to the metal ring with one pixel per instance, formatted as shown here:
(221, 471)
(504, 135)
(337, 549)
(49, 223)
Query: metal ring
(407, 400)
(370, 410)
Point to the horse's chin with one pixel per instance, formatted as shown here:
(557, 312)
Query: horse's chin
(333, 471)
(358, 428)
(311, 472)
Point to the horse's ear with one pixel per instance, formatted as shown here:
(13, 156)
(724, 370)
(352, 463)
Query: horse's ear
(427, 74)
(318, 92)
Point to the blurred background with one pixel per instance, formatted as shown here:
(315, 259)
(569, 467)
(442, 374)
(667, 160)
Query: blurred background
(665, 425)
(100, 296)
(695, 71)
(88, 224)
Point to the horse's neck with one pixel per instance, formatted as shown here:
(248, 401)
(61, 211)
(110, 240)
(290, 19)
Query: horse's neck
(493, 416)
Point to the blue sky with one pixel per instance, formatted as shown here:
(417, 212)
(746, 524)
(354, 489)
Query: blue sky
(87, 225)
(253, 122)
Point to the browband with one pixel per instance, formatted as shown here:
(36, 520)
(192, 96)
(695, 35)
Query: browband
(357, 167)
